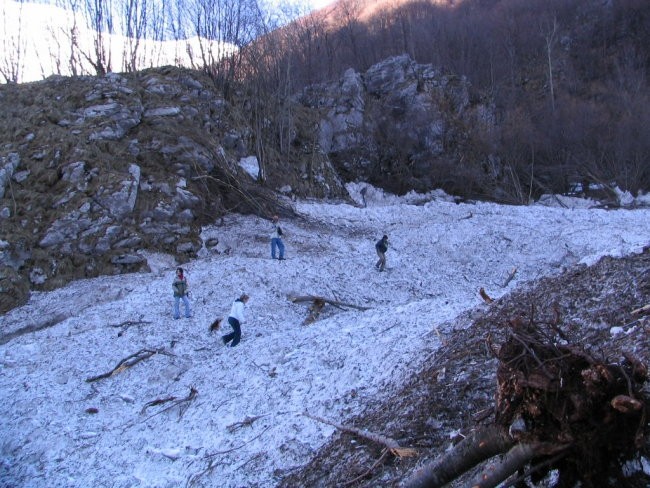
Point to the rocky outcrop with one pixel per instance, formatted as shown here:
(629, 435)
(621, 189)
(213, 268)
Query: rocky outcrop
(94, 170)
(395, 124)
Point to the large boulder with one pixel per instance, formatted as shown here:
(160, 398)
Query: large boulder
(394, 124)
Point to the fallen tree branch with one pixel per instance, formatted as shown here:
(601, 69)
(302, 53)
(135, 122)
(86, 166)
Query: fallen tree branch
(482, 444)
(210, 457)
(391, 444)
(533, 469)
(126, 363)
(248, 421)
(129, 323)
(644, 309)
(182, 403)
(510, 277)
(381, 458)
(157, 401)
(515, 459)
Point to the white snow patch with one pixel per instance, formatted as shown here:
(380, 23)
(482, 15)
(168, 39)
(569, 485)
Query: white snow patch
(247, 415)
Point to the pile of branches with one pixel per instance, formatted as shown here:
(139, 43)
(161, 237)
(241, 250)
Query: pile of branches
(558, 408)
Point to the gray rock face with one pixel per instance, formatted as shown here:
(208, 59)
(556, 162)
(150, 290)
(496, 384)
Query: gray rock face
(8, 165)
(397, 117)
(121, 203)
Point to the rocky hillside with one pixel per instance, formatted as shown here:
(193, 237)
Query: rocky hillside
(94, 170)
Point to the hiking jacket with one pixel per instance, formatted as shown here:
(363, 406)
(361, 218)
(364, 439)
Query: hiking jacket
(237, 311)
(180, 286)
(382, 245)
(277, 232)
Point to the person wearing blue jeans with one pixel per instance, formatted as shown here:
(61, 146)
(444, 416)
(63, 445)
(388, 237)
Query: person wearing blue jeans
(381, 247)
(235, 319)
(276, 239)
(181, 288)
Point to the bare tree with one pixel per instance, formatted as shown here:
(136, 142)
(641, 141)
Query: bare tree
(134, 19)
(14, 43)
(99, 16)
(549, 30)
(223, 27)
(349, 18)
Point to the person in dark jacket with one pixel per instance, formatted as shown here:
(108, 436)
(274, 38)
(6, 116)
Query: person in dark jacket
(181, 289)
(235, 319)
(381, 247)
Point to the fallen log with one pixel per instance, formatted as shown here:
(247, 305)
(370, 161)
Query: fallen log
(391, 444)
(513, 461)
(336, 303)
(479, 446)
(318, 303)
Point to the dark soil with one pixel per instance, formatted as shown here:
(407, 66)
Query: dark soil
(453, 392)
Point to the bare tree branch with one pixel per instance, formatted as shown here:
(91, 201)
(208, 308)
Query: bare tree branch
(127, 362)
(391, 444)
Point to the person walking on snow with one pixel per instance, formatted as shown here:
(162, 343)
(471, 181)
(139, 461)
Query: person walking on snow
(235, 319)
(181, 289)
(381, 247)
(276, 239)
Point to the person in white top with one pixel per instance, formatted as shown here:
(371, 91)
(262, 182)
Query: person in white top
(235, 319)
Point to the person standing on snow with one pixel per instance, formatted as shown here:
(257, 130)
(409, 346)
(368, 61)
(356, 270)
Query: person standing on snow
(235, 319)
(276, 239)
(181, 289)
(381, 247)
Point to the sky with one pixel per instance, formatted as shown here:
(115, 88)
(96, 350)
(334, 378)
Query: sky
(318, 4)
(246, 426)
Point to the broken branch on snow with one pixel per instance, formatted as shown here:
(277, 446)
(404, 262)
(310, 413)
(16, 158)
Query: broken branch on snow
(512, 274)
(127, 362)
(391, 444)
(182, 403)
(318, 303)
(129, 323)
(211, 459)
(248, 421)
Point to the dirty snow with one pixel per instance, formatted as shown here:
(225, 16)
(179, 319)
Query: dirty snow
(245, 427)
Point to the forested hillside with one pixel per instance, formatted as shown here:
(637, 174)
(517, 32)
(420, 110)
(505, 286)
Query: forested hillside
(568, 79)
